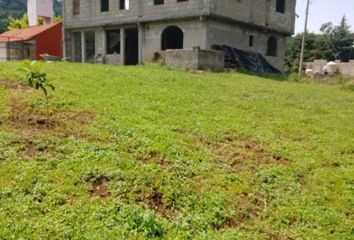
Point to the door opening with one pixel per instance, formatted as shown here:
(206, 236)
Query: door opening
(131, 46)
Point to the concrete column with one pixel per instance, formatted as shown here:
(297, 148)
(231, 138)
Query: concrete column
(63, 44)
(205, 42)
(266, 20)
(252, 11)
(122, 46)
(201, 5)
(141, 38)
(141, 8)
(104, 43)
(72, 57)
(83, 47)
(65, 57)
(100, 42)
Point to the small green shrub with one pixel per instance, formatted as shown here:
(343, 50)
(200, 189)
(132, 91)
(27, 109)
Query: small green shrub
(38, 80)
(141, 221)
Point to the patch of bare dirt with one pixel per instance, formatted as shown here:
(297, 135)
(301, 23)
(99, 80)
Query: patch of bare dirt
(248, 206)
(154, 201)
(29, 149)
(30, 122)
(32, 148)
(243, 152)
(81, 118)
(61, 123)
(14, 85)
(23, 117)
(278, 237)
(99, 188)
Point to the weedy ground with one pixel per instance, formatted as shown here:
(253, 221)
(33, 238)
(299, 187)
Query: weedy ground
(147, 152)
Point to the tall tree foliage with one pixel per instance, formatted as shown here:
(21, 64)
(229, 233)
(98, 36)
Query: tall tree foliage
(19, 23)
(334, 42)
(14, 23)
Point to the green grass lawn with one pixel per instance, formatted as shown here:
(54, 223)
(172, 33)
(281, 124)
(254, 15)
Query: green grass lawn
(146, 152)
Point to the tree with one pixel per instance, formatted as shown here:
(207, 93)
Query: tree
(342, 41)
(22, 23)
(19, 23)
(334, 42)
(316, 48)
(4, 23)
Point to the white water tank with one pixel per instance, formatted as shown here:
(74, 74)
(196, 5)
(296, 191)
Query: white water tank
(331, 68)
(309, 72)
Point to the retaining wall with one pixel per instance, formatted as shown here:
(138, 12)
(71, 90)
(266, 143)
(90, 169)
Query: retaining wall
(344, 68)
(196, 59)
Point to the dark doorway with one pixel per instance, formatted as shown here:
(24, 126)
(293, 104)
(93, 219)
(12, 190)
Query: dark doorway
(172, 38)
(272, 47)
(131, 46)
(90, 43)
(77, 56)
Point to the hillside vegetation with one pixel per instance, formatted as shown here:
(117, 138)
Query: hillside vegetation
(16, 9)
(146, 152)
(334, 42)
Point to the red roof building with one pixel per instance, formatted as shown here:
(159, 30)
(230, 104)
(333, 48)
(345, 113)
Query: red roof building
(32, 42)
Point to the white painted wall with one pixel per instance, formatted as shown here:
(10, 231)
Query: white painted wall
(40, 8)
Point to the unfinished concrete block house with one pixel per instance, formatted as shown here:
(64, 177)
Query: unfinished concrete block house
(124, 32)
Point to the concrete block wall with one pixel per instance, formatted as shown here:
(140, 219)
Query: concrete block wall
(3, 51)
(182, 59)
(171, 8)
(284, 22)
(91, 15)
(193, 30)
(194, 35)
(139, 11)
(239, 20)
(238, 36)
(113, 59)
(213, 60)
(258, 12)
(17, 51)
(344, 68)
(195, 59)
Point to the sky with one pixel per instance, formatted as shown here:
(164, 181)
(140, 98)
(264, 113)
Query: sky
(323, 11)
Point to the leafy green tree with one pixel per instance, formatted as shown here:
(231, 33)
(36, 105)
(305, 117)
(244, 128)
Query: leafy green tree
(22, 23)
(315, 46)
(334, 42)
(342, 41)
(18, 23)
(4, 23)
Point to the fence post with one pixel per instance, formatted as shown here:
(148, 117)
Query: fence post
(8, 49)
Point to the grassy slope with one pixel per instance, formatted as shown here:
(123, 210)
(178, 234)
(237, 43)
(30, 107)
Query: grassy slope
(170, 142)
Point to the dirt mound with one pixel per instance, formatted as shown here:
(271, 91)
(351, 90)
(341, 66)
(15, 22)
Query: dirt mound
(99, 188)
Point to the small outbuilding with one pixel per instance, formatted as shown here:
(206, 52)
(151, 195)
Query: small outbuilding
(32, 42)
